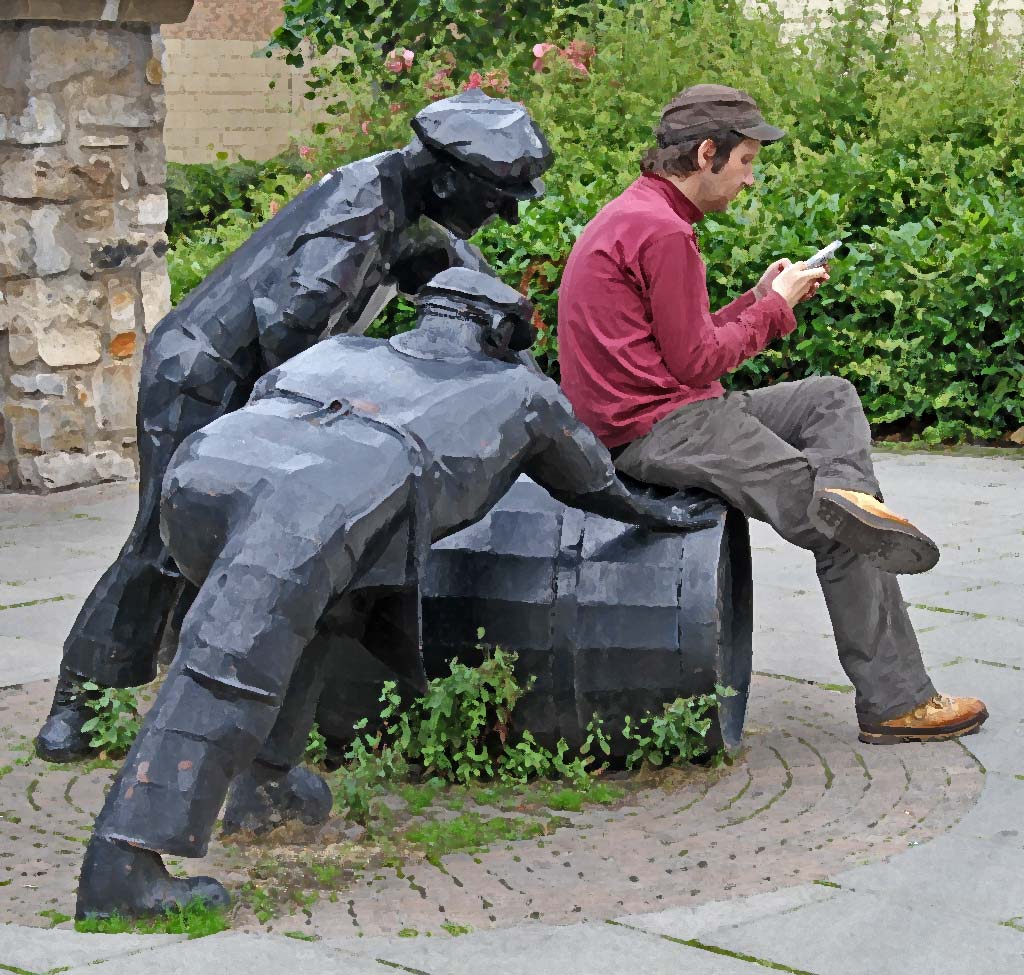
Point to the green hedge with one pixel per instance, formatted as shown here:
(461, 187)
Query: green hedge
(905, 141)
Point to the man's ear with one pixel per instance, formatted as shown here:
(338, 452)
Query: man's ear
(443, 184)
(706, 154)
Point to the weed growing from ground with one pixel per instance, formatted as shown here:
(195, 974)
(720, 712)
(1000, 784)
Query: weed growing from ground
(196, 919)
(115, 721)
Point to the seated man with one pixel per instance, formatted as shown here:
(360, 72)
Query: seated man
(277, 510)
(641, 359)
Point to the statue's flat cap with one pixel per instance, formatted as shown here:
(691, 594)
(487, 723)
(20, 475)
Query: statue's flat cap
(464, 284)
(493, 138)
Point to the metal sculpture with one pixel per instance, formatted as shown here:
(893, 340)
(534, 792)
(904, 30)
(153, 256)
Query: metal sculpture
(348, 462)
(327, 262)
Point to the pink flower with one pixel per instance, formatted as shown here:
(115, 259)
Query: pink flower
(475, 81)
(497, 81)
(395, 107)
(274, 208)
(399, 60)
(306, 152)
(365, 127)
(308, 178)
(539, 50)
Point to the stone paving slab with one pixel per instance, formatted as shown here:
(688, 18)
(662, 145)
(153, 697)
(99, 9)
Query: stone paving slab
(686, 923)
(235, 954)
(954, 874)
(733, 858)
(40, 950)
(593, 949)
(854, 933)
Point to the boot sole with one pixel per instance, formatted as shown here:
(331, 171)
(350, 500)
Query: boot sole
(891, 545)
(970, 726)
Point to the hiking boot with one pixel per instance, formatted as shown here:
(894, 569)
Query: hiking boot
(264, 798)
(938, 719)
(865, 525)
(61, 738)
(133, 882)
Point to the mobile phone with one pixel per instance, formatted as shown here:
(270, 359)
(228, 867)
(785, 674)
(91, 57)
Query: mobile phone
(824, 255)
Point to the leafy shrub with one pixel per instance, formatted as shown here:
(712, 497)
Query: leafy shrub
(115, 721)
(460, 732)
(905, 142)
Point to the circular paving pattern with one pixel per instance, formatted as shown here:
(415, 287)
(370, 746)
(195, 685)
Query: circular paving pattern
(804, 801)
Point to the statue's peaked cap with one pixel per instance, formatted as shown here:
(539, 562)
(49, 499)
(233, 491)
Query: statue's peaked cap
(463, 284)
(494, 138)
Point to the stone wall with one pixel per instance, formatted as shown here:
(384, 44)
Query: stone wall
(83, 276)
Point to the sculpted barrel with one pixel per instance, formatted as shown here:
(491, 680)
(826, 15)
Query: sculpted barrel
(608, 619)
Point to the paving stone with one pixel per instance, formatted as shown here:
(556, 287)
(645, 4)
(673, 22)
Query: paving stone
(686, 923)
(260, 955)
(989, 877)
(41, 950)
(45, 622)
(853, 933)
(594, 949)
(23, 660)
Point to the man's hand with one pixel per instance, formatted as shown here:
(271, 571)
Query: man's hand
(797, 282)
(764, 285)
(680, 512)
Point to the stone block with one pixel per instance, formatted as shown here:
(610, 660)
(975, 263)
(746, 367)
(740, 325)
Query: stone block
(152, 209)
(57, 174)
(151, 160)
(34, 240)
(39, 124)
(114, 397)
(44, 383)
(62, 470)
(60, 53)
(120, 111)
(156, 295)
(55, 320)
(42, 426)
(119, 11)
(122, 296)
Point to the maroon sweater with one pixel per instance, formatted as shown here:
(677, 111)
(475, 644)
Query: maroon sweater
(636, 336)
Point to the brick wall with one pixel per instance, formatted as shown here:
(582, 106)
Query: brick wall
(228, 20)
(219, 97)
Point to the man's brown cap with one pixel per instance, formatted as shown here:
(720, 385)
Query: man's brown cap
(704, 110)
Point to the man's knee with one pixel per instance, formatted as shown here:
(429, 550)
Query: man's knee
(834, 391)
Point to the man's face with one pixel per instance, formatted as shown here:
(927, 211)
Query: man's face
(464, 203)
(719, 189)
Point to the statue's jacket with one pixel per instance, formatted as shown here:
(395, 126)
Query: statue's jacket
(356, 426)
(320, 262)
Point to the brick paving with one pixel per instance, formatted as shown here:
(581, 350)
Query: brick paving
(808, 839)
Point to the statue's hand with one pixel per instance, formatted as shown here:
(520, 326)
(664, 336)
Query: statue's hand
(682, 512)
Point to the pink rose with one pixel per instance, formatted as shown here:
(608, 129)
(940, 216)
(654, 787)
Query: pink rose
(539, 50)
(408, 56)
(306, 152)
(475, 81)
(365, 127)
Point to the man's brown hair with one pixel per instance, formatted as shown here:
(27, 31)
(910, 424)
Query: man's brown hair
(680, 159)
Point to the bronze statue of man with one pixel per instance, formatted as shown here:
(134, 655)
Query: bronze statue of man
(354, 450)
(325, 261)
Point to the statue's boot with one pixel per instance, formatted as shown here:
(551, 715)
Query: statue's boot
(61, 738)
(132, 882)
(865, 525)
(265, 797)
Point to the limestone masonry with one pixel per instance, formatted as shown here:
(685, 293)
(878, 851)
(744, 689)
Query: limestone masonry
(83, 273)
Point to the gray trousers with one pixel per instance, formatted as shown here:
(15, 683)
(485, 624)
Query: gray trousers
(766, 452)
